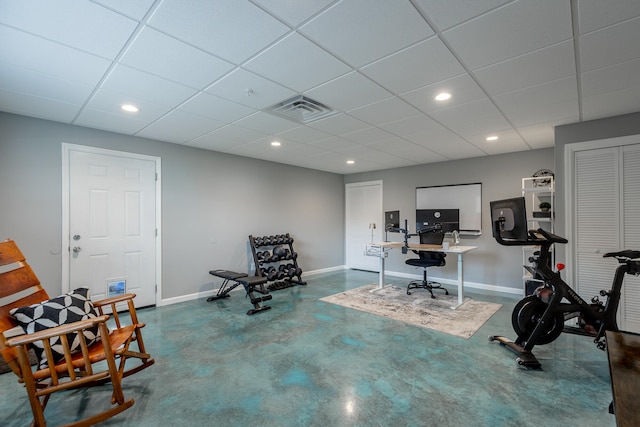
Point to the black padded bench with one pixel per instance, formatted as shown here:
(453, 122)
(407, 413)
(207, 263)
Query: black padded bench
(251, 284)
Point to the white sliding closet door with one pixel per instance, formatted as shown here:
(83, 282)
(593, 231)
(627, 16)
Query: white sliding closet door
(630, 310)
(597, 219)
(606, 216)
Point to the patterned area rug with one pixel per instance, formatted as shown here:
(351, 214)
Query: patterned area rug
(419, 308)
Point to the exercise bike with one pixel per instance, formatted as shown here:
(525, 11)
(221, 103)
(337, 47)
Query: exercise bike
(539, 319)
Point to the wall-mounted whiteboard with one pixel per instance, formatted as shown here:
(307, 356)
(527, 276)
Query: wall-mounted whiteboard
(465, 197)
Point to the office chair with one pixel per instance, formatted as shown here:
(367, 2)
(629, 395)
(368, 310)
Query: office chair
(428, 259)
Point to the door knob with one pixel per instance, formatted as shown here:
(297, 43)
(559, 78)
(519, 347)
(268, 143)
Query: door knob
(76, 249)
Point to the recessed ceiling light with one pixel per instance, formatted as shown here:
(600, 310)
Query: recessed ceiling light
(130, 108)
(443, 96)
(350, 162)
(275, 143)
(492, 138)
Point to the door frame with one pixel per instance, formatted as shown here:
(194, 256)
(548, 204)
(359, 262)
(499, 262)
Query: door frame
(67, 148)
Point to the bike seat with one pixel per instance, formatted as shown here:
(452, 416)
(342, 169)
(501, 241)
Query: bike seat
(627, 253)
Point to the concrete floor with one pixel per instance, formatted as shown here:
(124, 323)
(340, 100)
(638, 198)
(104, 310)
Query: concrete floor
(310, 363)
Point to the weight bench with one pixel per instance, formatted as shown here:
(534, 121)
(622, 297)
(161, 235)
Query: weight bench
(251, 284)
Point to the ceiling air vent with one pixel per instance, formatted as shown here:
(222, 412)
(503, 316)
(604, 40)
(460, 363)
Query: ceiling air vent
(301, 109)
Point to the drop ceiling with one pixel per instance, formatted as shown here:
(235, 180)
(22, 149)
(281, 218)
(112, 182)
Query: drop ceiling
(204, 73)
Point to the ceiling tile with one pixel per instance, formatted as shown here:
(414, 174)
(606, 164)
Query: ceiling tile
(413, 154)
(304, 134)
(611, 103)
(339, 124)
(164, 56)
(509, 142)
(296, 63)
(361, 31)
(216, 108)
(538, 136)
(265, 122)
(596, 47)
(79, 24)
(348, 92)
(511, 30)
(133, 9)
(34, 53)
(27, 81)
(611, 79)
(247, 88)
(128, 125)
(236, 134)
(216, 26)
(334, 143)
(472, 118)
(138, 84)
(34, 106)
(294, 12)
(543, 65)
(542, 103)
(448, 145)
(368, 136)
(386, 111)
(595, 14)
(419, 65)
(110, 102)
(179, 127)
(462, 88)
(447, 13)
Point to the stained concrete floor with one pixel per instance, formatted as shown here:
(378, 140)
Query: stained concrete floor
(311, 363)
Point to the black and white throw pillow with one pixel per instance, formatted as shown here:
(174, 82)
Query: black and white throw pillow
(62, 310)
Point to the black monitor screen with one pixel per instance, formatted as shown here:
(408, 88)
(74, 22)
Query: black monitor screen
(512, 214)
(449, 219)
(391, 219)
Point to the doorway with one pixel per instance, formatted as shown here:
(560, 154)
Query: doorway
(111, 223)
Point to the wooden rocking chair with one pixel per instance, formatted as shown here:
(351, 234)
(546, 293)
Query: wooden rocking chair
(68, 352)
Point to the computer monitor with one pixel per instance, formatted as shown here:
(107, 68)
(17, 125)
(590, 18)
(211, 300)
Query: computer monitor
(449, 219)
(391, 219)
(512, 214)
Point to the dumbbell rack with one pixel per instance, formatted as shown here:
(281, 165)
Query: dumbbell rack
(281, 271)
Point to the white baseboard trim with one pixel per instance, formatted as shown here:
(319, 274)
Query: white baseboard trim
(454, 282)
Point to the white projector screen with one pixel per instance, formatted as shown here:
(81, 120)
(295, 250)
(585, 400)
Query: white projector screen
(465, 197)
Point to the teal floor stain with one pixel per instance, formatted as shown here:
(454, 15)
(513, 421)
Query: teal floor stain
(310, 363)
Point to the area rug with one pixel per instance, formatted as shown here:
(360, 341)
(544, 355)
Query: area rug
(419, 308)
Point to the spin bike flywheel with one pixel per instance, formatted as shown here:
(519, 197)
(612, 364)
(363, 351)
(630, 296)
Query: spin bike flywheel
(526, 316)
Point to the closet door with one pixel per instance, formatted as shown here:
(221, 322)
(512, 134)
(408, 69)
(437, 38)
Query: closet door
(596, 219)
(630, 309)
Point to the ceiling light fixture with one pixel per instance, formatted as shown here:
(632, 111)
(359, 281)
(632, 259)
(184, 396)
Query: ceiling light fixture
(350, 162)
(492, 138)
(130, 108)
(443, 96)
(275, 143)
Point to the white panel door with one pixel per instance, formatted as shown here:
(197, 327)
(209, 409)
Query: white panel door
(112, 225)
(363, 207)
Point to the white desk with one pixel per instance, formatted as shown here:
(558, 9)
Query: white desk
(460, 250)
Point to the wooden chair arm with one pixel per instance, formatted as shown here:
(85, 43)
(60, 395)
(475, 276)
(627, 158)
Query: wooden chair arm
(57, 331)
(113, 300)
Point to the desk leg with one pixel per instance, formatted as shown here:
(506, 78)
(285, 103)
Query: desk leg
(460, 282)
(381, 273)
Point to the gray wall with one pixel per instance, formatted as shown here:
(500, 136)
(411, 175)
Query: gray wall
(206, 197)
(501, 177)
